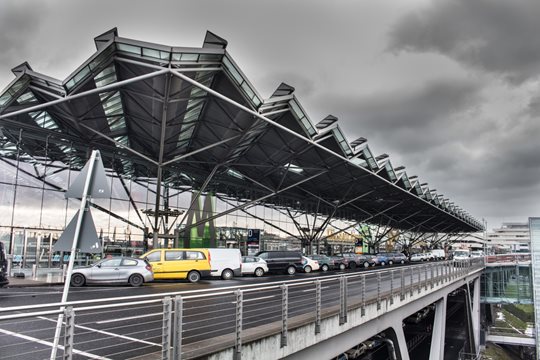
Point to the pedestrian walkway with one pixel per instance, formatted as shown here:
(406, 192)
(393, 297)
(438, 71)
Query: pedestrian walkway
(44, 277)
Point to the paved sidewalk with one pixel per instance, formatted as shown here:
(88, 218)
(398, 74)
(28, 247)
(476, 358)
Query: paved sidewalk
(29, 282)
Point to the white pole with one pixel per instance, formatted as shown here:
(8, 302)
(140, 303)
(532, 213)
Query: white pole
(67, 279)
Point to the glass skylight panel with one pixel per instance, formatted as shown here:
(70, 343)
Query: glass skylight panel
(44, 120)
(26, 98)
(105, 77)
(369, 158)
(342, 142)
(390, 171)
(406, 181)
(129, 48)
(294, 168)
(243, 83)
(193, 109)
(122, 140)
(13, 90)
(157, 54)
(235, 174)
(300, 115)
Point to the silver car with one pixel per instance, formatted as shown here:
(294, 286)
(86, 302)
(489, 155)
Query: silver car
(117, 270)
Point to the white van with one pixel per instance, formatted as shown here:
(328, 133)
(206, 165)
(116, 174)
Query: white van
(225, 263)
(438, 254)
(461, 254)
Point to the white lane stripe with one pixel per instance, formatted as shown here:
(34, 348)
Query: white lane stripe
(108, 333)
(47, 343)
(260, 298)
(128, 318)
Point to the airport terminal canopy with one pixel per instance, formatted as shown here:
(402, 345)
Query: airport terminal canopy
(189, 118)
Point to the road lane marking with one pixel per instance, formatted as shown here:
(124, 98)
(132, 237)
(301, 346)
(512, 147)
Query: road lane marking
(108, 333)
(128, 318)
(47, 343)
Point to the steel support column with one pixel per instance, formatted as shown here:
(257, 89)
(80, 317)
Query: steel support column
(439, 330)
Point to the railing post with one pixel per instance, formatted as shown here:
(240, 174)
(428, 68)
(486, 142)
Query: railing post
(69, 332)
(343, 300)
(378, 290)
(432, 278)
(166, 329)
(411, 288)
(402, 291)
(177, 338)
(239, 310)
(284, 313)
(363, 309)
(318, 300)
(419, 278)
(425, 276)
(391, 287)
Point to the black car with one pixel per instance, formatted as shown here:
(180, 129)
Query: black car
(282, 261)
(357, 260)
(3, 266)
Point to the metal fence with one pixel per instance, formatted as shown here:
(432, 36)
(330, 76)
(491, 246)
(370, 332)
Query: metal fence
(192, 324)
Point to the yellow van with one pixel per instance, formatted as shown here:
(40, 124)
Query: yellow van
(191, 264)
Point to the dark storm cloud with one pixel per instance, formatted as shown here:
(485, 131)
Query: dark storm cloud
(19, 24)
(496, 36)
(413, 118)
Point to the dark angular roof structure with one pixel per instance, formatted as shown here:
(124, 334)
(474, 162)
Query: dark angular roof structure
(189, 118)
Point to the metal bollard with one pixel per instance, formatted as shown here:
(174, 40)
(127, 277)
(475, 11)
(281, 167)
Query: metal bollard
(166, 329)
(391, 287)
(239, 310)
(402, 291)
(284, 314)
(363, 309)
(318, 300)
(177, 339)
(69, 332)
(378, 291)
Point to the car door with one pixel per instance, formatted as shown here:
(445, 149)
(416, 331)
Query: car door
(174, 265)
(248, 265)
(154, 258)
(106, 271)
(126, 269)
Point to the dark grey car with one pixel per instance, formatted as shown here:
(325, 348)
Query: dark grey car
(356, 260)
(118, 270)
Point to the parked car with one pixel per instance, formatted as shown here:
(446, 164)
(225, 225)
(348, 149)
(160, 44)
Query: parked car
(417, 257)
(339, 262)
(325, 262)
(282, 261)
(477, 253)
(190, 264)
(118, 270)
(461, 254)
(225, 263)
(3, 266)
(309, 265)
(354, 260)
(253, 265)
(396, 258)
(381, 259)
(439, 254)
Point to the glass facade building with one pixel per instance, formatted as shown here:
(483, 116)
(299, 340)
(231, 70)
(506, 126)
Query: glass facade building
(534, 225)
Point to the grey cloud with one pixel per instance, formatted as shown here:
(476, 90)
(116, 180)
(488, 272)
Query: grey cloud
(496, 36)
(19, 24)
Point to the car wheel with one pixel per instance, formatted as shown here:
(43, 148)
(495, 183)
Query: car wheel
(342, 266)
(193, 276)
(291, 270)
(307, 269)
(402, 262)
(259, 272)
(136, 280)
(366, 264)
(227, 274)
(383, 263)
(390, 262)
(324, 267)
(352, 265)
(78, 280)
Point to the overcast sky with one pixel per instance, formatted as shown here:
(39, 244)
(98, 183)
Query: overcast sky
(448, 88)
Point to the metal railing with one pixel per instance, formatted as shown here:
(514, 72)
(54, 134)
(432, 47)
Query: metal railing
(195, 323)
